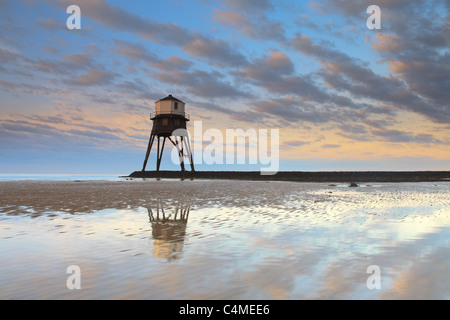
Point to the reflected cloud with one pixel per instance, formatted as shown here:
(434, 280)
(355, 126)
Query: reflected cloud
(246, 240)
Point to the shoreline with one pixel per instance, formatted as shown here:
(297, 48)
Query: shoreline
(302, 176)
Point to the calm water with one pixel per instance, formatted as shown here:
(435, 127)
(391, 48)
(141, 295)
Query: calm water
(223, 239)
(59, 177)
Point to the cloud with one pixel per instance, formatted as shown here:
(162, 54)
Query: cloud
(254, 27)
(26, 127)
(331, 146)
(7, 55)
(165, 33)
(68, 64)
(413, 41)
(388, 43)
(48, 66)
(94, 134)
(38, 90)
(116, 18)
(61, 132)
(49, 24)
(293, 110)
(305, 97)
(401, 136)
(238, 115)
(93, 77)
(136, 52)
(295, 143)
(216, 51)
(343, 72)
(357, 132)
(417, 53)
(275, 65)
(275, 73)
(357, 8)
(78, 60)
(136, 88)
(173, 63)
(250, 6)
(250, 18)
(249, 65)
(202, 83)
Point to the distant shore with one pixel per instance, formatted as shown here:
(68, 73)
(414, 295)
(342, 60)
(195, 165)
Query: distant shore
(303, 176)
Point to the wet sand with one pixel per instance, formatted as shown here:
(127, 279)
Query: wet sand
(224, 239)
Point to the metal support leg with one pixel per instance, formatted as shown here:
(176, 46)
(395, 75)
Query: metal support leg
(182, 155)
(160, 155)
(189, 151)
(149, 148)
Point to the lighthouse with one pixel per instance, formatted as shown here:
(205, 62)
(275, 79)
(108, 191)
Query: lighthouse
(168, 118)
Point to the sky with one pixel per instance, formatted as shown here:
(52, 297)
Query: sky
(343, 96)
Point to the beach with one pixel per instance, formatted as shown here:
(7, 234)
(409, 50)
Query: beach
(224, 239)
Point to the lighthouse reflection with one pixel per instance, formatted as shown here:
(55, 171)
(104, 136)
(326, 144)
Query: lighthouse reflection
(168, 229)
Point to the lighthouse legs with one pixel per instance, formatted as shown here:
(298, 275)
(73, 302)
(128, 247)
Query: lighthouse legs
(187, 145)
(182, 155)
(149, 148)
(183, 148)
(158, 161)
(189, 152)
(179, 151)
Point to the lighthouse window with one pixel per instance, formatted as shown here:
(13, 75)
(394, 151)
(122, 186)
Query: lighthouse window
(176, 106)
(165, 122)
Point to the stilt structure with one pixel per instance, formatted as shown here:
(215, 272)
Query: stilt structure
(168, 230)
(168, 118)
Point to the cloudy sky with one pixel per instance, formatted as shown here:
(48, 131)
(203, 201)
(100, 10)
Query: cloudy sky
(343, 97)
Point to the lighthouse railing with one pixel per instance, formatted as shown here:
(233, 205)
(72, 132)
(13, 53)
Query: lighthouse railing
(184, 114)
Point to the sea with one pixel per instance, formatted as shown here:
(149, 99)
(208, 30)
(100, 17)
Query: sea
(60, 177)
(110, 237)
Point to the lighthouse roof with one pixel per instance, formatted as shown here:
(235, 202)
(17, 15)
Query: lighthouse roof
(170, 97)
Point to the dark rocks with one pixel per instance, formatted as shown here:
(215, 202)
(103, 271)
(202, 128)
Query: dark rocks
(302, 176)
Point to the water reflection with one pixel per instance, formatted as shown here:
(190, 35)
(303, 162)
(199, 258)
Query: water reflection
(246, 240)
(168, 230)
